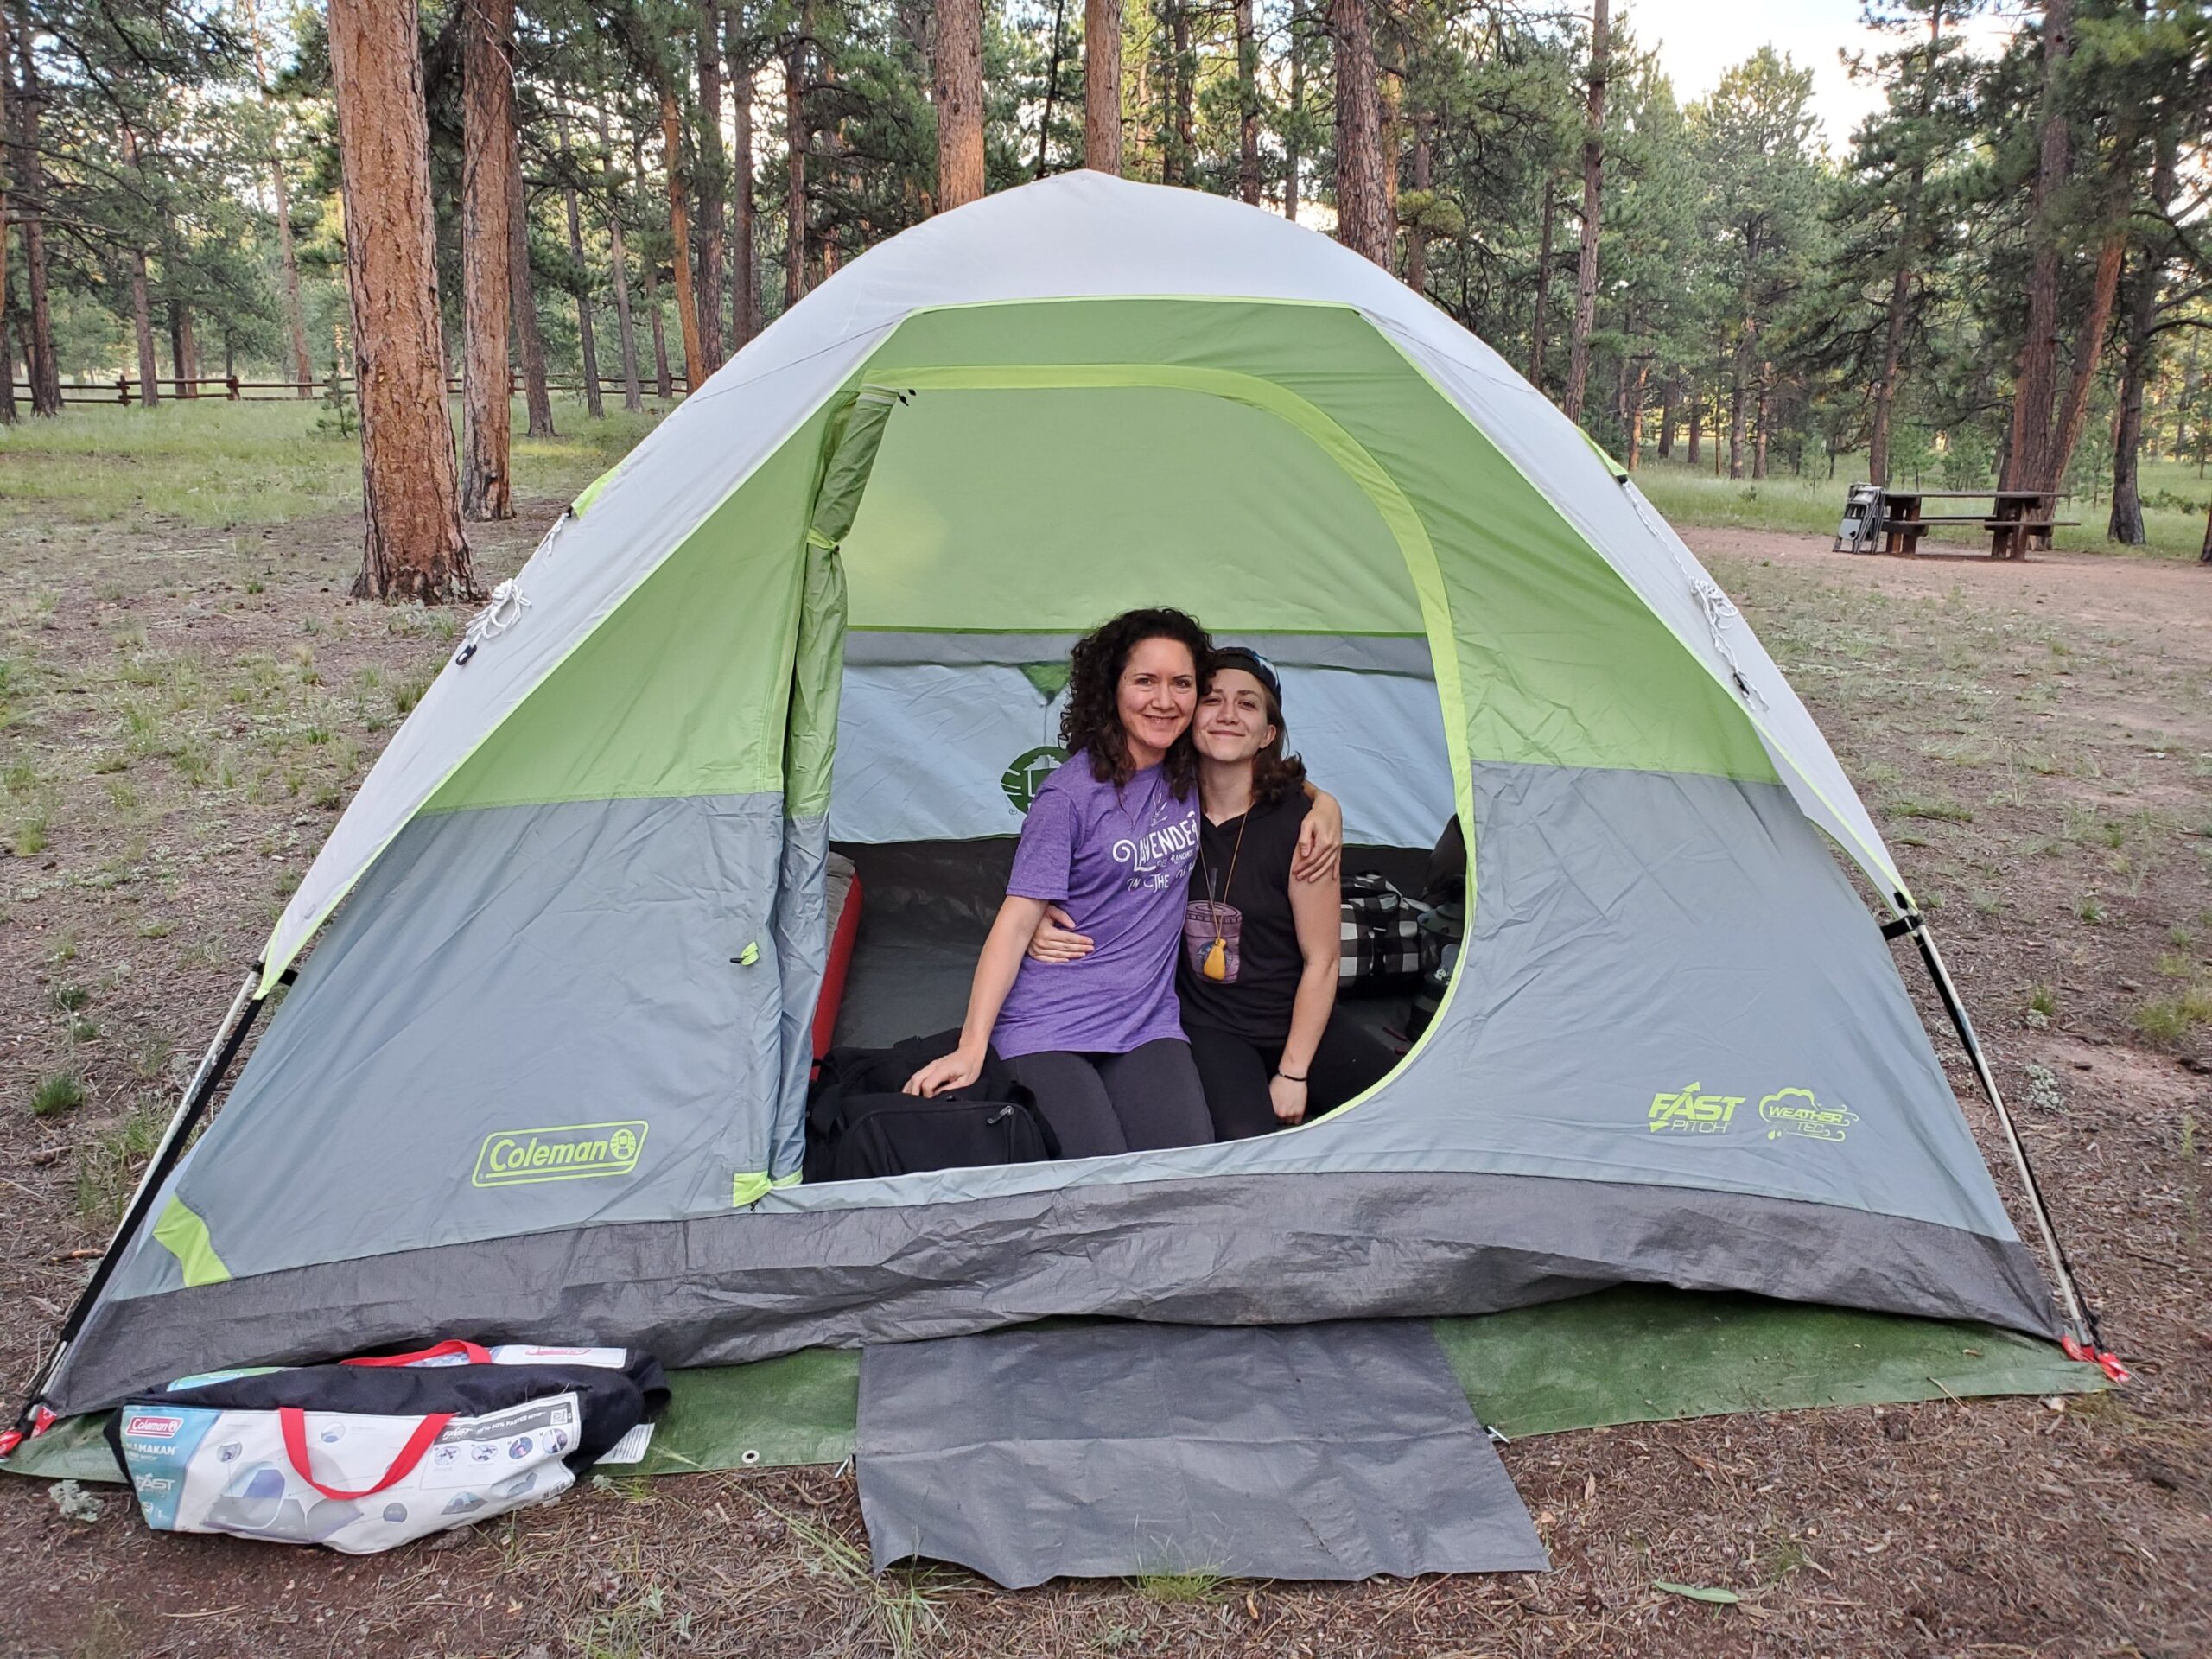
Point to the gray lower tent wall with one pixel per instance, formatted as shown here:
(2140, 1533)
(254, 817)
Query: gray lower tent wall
(1265, 1250)
(1679, 1051)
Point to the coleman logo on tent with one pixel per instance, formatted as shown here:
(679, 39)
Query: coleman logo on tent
(1793, 1111)
(1027, 775)
(567, 1153)
(1692, 1111)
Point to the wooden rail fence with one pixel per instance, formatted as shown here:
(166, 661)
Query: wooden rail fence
(123, 390)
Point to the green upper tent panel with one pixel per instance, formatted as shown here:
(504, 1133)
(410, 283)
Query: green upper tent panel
(1274, 469)
(1103, 395)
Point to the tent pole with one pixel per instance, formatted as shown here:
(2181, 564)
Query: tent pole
(2083, 1324)
(229, 1038)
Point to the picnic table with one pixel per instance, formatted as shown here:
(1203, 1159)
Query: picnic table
(1898, 517)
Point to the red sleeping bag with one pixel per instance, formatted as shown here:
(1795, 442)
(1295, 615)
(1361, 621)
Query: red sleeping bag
(843, 882)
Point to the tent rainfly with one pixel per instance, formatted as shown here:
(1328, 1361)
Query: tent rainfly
(544, 1076)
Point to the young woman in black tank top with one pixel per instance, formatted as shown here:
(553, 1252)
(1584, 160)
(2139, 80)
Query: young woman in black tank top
(1257, 975)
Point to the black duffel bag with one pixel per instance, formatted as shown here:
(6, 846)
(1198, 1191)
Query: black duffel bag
(860, 1124)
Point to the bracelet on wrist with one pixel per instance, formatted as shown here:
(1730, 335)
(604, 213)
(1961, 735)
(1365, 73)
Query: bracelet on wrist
(1289, 1077)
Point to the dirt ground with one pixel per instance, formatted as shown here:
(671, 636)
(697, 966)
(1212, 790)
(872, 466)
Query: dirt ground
(182, 713)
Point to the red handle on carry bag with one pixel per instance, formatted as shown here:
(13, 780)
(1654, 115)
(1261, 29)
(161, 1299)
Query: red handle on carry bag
(453, 1345)
(294, 1422)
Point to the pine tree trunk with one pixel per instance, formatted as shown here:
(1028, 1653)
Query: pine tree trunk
(180, 351)
(1894, 317)
(1543, 288)
(2126, 525)
(2028, 441)
(1886, 382)
(530, 340)
(1102, 85)
(1416, 237)
(1632, 414)
(744, 273)
(487, 246)
(287, 258)
(1390, 89)
(192, 370)
(2088, 350)
(625, 324)
(1695, 416)
(142, 324)
(7, 143)
(1248, 104)
(1176, 152)
(1052, 88)
(1764, 415)
(663, 382)
(1594, 166)
(39, 360)
(1363, 225)
(1670, 392)
(1294, 128)
(1736, 421)
(795, 142)
(414, 548)
(713, 183)
(957, 91)
(142, 305)
(679, 240)
(586, 335)
(2137, 350)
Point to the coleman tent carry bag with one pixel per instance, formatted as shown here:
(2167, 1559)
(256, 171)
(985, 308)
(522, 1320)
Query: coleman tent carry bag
(368, 1453)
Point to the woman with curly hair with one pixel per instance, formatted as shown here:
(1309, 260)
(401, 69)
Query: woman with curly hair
(1111, 836)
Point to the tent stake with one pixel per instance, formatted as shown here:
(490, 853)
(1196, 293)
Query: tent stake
(2083, 1324)
(230, 1036)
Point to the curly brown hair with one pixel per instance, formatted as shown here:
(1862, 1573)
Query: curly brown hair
(1092, 719)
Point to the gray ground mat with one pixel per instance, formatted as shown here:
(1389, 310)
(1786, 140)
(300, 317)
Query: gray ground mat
(1103, 1449)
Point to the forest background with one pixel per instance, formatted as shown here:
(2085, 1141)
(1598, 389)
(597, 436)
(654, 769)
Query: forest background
(2001, 275)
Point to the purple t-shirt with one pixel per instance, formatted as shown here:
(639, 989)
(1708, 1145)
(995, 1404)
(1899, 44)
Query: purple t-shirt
(1119, 861)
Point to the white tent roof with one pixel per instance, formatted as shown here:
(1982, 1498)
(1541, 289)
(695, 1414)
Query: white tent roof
(1080, 235)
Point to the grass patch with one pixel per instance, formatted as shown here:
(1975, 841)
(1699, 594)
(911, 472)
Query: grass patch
(1941, 809)
(212, 463)
(62, 1091)
(2171, 1019)
(902, 1606)
(1172, 1589)
(108, 1167)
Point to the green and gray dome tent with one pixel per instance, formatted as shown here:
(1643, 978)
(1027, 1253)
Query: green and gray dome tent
(544, 1075)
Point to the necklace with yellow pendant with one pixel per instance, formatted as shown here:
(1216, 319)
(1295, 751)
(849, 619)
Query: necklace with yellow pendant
(1215, 966)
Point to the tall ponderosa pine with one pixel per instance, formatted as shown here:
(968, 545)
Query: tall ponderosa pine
(487, 245)
(713, 184)
(44, 365)
(744, 273)
(958, 66)
(1102, 85)
(587, 333)
(1593, 173)
(1363, 218)
(522, 292)
(413, 547)
(288, 258)
(619, 260)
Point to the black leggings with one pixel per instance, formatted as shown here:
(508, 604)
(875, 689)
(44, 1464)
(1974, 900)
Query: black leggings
(1235, 1071)
(1102, 1104)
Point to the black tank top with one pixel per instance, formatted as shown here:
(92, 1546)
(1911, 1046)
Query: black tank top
(1251, 915)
